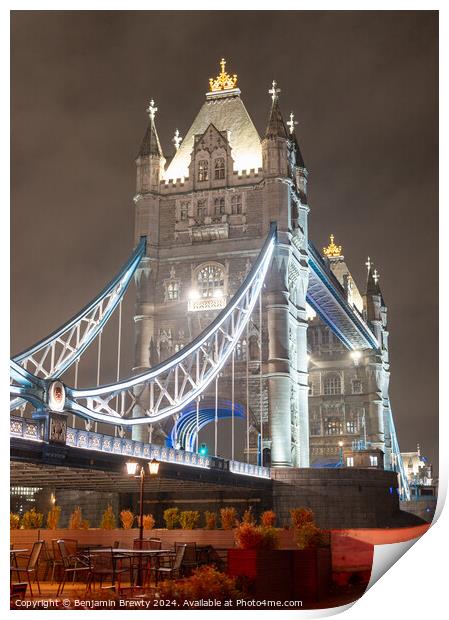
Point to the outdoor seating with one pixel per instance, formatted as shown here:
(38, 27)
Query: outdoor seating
(190, 559)
(32, 566)
(175, 569)
(56, 560)
(18, 591)
(47, 559)
(155, 543)
(103, 568)
(72, 566)
(145, 562)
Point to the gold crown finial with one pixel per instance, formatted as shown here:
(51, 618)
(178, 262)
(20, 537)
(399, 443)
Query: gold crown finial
(332, 250)
(223, 81)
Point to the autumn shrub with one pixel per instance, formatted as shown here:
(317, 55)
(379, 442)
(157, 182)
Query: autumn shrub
(250, 536)
(210, 519)
(14, 521)
(108, 521)
(32, 520)
(309, 536)
(148, 522)
(205, 583)
(307, 533)
(268, 518)
(171, 518)
(248, 516)
(53, 517)
(76, 519)
(126, 519)
(228, 517)
(189, 519)
(300, 516)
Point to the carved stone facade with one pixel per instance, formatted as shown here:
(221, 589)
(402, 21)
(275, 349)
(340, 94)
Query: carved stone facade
(348, 392)
(205, 221)
(204, 229)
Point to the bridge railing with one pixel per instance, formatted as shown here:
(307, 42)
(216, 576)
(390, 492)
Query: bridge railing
(33, 430)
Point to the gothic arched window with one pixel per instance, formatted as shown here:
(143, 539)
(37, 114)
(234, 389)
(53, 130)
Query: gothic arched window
(332, 384)
(236, 204)
(219, 206)
(201, 211)
(210, 281)
(203, 170)
(219, 168)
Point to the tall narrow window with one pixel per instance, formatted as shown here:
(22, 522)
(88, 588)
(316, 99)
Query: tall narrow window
(351, 427)
(219, 168)
(201, 211)
(184, 211)
(236, 204)
(356, 386)
(219, 206)
(173, 290)
(203, 170)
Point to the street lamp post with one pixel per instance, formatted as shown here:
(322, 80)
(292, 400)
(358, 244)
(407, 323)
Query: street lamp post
(340, 443)
(132, 468)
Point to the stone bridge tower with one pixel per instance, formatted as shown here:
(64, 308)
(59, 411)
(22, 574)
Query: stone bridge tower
(206, 212)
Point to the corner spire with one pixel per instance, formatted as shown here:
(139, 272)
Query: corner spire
(294, 140)
(372, 282)
(150, 143)
(276, 127)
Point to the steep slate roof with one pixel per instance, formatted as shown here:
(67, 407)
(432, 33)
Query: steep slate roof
(372, 287)
(226, 114)
(150, 143)
(299, 157)
(276, 127)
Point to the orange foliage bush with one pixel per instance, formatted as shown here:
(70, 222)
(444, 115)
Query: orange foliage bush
(268, 518)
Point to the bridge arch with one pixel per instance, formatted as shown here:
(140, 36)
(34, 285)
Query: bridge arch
(184, 431)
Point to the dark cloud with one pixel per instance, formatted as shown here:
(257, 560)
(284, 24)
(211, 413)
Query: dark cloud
(363, 86)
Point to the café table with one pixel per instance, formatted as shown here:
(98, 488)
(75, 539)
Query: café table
(13, 555)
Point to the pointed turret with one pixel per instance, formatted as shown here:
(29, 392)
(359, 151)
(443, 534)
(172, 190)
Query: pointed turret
(275, 144)
(276, 127)
(299, 170)
(374, 305)
(150, 158)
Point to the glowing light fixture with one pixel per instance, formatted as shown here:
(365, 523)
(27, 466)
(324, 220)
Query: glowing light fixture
(154, 467)
(332, 250)
(131, 468)
(193, 294)
(356, 356)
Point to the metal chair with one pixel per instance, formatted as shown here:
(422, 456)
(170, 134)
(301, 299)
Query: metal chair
(18, 591)
(56, 559)
(175, 569)
(32, 565)
(155, 543)
(71, 566)
(190, 560)
(103, 567)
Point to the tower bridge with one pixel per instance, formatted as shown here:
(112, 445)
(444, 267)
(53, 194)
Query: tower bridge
(238, 317)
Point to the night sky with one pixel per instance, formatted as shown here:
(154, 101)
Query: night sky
(364, 87)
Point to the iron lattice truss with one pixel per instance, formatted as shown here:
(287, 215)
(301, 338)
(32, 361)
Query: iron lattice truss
(169, 386)
(53, 355)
